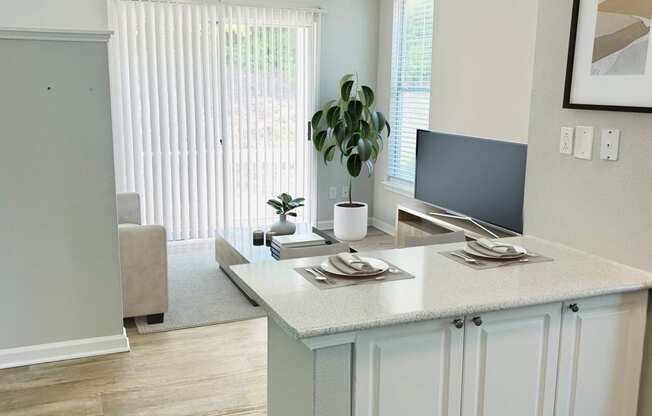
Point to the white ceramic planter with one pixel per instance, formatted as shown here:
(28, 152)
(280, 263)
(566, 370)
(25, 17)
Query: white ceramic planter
(283, 226)
(350, 223)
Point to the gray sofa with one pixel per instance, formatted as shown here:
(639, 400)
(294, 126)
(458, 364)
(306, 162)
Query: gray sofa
(143, 259)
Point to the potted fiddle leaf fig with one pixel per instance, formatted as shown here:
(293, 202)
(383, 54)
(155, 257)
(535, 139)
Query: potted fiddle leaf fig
(350, 128)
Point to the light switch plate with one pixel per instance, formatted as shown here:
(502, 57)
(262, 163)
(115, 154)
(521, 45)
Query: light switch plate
(609, 144)
(332, 192)
(566, 140)
(583, 142)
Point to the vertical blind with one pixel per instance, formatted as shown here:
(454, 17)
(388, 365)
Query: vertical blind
(269, 91)
(210, 103)
(410, 83)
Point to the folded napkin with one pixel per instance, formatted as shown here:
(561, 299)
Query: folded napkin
(497, 247)
(477, 248)
(351, 264)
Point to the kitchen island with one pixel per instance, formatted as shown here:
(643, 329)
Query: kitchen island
(562, 337)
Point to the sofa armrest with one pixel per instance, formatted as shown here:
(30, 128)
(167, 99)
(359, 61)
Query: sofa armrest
(143, 261)
(128, 204)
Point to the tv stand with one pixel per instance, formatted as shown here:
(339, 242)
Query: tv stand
(419, 219)
(465, 218)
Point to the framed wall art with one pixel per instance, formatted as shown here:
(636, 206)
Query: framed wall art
(610, 56)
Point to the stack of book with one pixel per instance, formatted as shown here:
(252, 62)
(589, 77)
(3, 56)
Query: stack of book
(296, 245)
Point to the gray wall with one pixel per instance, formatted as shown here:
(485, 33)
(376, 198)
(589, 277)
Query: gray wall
(60, 276)
(483, 57)
(349, 45)
(602, 207)
(54, 14)
(59, 245)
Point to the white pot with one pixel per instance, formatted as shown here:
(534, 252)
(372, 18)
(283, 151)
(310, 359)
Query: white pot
(350, 223)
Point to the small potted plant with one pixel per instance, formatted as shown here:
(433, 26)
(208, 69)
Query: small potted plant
(350, 127)
(285, 205)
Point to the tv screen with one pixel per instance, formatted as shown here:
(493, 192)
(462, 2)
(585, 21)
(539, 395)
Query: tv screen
(480, 178)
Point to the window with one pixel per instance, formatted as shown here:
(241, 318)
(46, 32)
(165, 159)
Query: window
(410, 85)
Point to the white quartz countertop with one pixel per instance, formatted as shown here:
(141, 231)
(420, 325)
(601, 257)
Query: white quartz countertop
(441, 288)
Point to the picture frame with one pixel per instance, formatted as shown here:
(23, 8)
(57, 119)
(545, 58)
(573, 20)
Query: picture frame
(589, 85)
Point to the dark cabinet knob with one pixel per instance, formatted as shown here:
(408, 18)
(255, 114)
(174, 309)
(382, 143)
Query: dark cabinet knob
(459, 323)
(573, 307)
(477, 321)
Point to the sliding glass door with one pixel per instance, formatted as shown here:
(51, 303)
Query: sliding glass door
(210, 108)
(268, 95)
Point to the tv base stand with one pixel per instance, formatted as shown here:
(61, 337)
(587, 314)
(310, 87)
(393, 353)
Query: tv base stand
(419, 219)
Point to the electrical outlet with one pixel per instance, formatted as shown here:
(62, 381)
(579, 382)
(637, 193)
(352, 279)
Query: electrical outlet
(332, 192)
(583, 142)
(566, 140)
(609, 145)
(345, 191)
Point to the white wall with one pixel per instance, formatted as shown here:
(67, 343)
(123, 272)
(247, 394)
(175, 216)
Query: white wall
(483, 57)
(54, 14)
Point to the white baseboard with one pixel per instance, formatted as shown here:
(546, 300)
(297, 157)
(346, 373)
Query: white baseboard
(383, 226)
(66, 350)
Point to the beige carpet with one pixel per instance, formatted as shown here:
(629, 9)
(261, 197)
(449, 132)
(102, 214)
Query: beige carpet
(199, 292)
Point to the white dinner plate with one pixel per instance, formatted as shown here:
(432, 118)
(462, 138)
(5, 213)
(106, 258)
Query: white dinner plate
(521, 252)
(378, 264)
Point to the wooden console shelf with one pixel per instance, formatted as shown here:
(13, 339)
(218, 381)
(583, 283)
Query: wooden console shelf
(415, 220)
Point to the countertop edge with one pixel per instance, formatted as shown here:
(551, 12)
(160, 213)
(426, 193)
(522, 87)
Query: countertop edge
(304, 333)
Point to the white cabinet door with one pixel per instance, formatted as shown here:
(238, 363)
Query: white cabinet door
(600, 355)
(510, 362)
(413, 370)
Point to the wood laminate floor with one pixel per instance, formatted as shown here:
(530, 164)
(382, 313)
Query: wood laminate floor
(218, 370)
(213, 370)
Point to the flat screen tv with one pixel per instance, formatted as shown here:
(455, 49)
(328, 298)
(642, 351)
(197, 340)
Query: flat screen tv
(479, 178)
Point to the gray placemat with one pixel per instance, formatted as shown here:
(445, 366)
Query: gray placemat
(335, 282)
(483, 264)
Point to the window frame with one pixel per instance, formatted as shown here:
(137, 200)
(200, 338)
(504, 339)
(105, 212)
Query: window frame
(396, 179)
